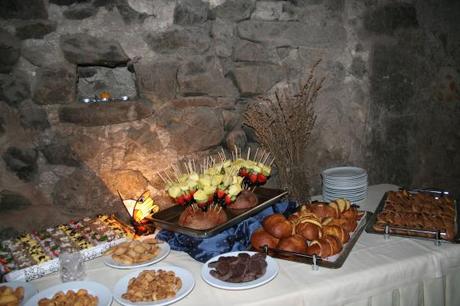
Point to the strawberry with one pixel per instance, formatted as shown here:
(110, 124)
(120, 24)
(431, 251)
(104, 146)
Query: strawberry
(188, 197)
(261, 179)
(253, 178)
(220, 193)
(228, 200)
(180, 200)
(244, 172)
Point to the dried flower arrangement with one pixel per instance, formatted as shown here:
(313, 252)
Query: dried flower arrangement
(283, 124)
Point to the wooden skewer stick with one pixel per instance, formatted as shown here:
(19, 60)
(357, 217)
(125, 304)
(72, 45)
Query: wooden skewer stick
(266, 157)
(273, 160)
(249, 153)
(169, 178)
(255, 155)
(161, 177)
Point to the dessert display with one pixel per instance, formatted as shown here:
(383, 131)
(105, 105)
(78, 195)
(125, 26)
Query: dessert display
(151, 285)
(207, 190)
(134, 251)
(10, 296)
(417, 211)
(81, 297)
(319, 228)
(44, 246)
(239, 269)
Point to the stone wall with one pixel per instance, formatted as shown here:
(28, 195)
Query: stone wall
(390, 102)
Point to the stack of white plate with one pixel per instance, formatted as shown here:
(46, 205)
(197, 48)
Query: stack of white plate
(345, 182)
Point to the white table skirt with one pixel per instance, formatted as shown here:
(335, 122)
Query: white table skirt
(397, 271)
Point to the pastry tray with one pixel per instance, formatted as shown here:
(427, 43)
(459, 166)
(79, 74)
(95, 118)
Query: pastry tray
(168, 218)
(415, 233)
(335, 261)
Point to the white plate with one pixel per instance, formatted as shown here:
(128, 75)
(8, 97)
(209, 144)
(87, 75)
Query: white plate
(29, 289)
(345, 172)
(162, 253)
(187, 286)
(270, 273)
(96, 289)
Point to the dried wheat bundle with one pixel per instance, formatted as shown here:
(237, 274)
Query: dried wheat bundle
(283, 124)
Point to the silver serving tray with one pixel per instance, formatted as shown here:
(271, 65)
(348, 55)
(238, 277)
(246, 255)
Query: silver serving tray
(436, 236)
(168, 218)
(333, 262)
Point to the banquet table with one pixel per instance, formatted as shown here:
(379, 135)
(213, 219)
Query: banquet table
(378, 271)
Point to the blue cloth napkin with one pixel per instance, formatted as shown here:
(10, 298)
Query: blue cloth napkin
(236, 238)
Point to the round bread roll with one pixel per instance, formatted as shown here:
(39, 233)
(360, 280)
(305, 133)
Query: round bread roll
(294, 243)
(336, 231)
(260, 238)
(323, 210)
(246, 199)
(308, 230)
(335, 243)
(202, 220)
(351, 214)
(277, 225)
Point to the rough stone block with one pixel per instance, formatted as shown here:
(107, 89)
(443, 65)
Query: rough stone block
(42, 53)
(186, 41)
(130, 183)
(84, 49)
(236, 138)
(10, 50)
(10, 200)
(35, 28)
(256, 79)
(247, 51)
(295, 34)
(235, 10)
(274, 10)
(55, 85)
(223, 34)
(98, 114)
(194, 129)
(204, 78)
(84, 191)
(128, 13)
(22, 161)
(80, 11)
(388, 18)
(14, 89)
(60, 154)
(189, 12)
(24, 9)
(145, 138)
(84, 146)
(33, 116)
(157, 79)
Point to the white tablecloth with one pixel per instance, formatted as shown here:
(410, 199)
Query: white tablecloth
(398, 271)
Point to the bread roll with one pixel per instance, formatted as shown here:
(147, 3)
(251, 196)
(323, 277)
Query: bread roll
(295, 243)
(308, 230)
(260, 238)
(336, 231)
(277, 225)
(323, 210)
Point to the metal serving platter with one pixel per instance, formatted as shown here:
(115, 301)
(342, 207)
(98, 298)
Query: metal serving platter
(436, 236)
(333, 262)
(168, 218)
